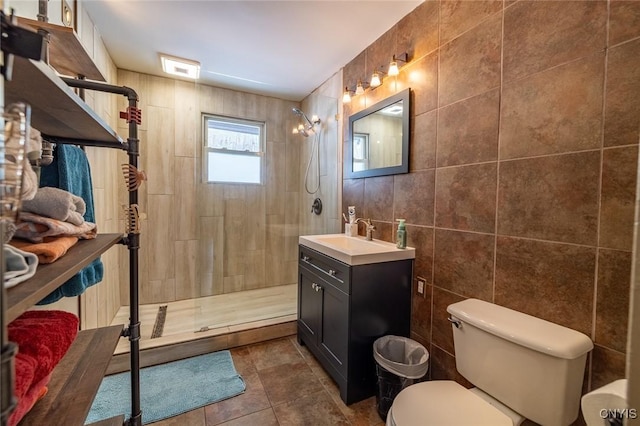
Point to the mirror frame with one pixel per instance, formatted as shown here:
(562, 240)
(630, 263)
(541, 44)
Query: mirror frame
(403, 96)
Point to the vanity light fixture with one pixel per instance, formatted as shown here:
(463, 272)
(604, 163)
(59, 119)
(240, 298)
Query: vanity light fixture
(346, 96)
(360, 87)
(180, 67)
(376, 80)
(393, 65)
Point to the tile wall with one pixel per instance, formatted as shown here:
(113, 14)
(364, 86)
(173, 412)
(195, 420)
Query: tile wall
(202, 239)
(524, 149)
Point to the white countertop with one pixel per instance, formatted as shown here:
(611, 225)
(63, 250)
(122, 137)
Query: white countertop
(356, 250)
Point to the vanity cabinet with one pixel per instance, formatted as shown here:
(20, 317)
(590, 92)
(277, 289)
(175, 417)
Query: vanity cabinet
(343, 309)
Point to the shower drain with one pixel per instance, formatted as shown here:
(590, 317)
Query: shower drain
(158, 326)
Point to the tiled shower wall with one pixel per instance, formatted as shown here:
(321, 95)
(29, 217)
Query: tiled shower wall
(324, 102)
(202, 239)
(524, 148)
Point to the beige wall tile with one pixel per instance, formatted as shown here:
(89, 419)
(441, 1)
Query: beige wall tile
(234, 237)
(187, 120)
(161, 250)
(255, 220)
(162, 93)
(186, 218)
(211, 255)
(275, 179)
(187, 286)
(160, 151)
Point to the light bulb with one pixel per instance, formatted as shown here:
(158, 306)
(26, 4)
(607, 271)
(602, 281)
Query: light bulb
(300, 127)
(346, 96)
(295, 131)
(393, 68)
(315, 118)
(359, 88)
(375, 79)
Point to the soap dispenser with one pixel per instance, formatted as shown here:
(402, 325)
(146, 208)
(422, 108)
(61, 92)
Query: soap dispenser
(401, 235)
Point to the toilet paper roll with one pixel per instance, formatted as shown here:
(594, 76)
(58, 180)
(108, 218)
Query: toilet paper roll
(599, 403)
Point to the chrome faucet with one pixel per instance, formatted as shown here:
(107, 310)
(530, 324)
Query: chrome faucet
(369, 228)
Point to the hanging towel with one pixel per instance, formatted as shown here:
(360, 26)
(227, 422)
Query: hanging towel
(70, 171)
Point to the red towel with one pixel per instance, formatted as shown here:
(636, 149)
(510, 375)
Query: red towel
(44, 335)
(25, 366)
(27, 401)
(43, 338)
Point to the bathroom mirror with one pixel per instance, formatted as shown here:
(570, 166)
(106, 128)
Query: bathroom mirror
(378, 142)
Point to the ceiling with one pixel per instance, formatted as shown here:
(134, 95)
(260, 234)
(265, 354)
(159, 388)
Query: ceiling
(284, 49)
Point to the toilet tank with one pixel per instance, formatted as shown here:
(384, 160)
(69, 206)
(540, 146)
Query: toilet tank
(531, 365)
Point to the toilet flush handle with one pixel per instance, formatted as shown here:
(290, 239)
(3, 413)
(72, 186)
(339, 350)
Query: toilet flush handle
(455, 322)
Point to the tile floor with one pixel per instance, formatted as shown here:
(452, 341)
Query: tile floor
(286, 386)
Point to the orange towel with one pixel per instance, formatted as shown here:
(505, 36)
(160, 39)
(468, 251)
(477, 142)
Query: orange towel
(48, 251)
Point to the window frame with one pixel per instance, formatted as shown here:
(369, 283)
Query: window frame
(261, 153)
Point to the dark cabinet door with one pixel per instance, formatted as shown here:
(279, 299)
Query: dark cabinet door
(334, 337)
(309, 304)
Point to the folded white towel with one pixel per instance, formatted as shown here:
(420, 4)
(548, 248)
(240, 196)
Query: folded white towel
(58, 204)
(20, 265)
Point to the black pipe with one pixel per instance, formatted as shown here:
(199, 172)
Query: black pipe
(104, 87)
(134, 245)
(133, 239)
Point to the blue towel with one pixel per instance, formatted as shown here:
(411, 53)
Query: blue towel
(70, 171)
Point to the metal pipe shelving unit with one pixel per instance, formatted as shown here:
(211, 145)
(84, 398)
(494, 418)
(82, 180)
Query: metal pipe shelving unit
(62, 117)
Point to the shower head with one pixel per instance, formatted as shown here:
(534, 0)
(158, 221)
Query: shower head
(299, 112)
(304, 129)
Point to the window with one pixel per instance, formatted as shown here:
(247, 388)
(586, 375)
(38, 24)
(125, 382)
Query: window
(234, 149)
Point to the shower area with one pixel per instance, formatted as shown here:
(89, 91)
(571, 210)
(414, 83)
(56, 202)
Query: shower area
(220, 258)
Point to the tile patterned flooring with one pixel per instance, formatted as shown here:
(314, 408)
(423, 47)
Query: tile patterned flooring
(286, 386)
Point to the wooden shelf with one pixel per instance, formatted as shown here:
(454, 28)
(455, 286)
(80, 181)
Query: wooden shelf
(76, 379)
(56, 111)
(66, 53)
(50, 276)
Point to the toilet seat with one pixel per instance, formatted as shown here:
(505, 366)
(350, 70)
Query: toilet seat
(443, 403)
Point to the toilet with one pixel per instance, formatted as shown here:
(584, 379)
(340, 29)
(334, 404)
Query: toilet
(523, 367)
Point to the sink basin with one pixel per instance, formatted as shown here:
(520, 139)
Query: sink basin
(356, 250)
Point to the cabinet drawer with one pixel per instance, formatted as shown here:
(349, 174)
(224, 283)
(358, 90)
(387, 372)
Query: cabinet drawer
(332, 270)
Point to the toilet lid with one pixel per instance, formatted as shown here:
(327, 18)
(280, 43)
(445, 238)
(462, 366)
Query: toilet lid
(444, 403)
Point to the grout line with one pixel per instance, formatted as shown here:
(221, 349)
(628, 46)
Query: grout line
(435, 183)
(497, 198)
(594, 306)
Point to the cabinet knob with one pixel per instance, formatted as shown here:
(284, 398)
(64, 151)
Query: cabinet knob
(305, 258)
(316, 287)
(332, 272)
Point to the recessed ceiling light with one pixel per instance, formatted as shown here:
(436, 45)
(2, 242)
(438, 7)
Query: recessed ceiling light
(180, 67)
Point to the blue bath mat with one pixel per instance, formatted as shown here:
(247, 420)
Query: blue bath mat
(170, 389)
